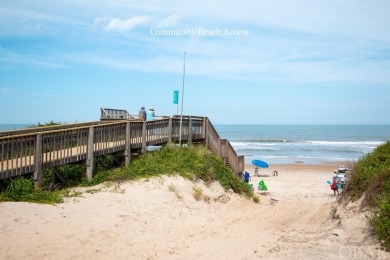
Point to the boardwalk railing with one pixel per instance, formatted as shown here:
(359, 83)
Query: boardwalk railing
(32, 150)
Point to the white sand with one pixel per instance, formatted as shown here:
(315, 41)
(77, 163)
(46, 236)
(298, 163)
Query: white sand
(145, 220)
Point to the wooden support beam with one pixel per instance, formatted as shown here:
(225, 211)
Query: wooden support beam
(38, 161)
(204, 128)
(206, 135)
(241, 164)
(189, 141)
(57, 173)
(170, 130)
(143, 148)
(128, 144)
(90, 159)
(223, 144)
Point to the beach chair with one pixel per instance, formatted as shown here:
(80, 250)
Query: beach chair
(262, 186)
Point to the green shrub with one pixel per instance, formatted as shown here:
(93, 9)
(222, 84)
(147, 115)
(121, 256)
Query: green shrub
(72, 173)
(381, 222)
(22, 189)
(105, 162)
(190, 162)
(19, 189)
(50, 123)
(371, 179)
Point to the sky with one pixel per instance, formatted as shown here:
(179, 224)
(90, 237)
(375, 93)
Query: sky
(243, 62)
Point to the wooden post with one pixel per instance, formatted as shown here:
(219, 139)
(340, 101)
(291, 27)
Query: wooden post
(189, 131)
(204, 128)
(206, 134)
(90, 159)
(219, 149)
(128, 144)
(241, 164)
(143, 149)
(170, 130)
(38, 161)
(223, 153)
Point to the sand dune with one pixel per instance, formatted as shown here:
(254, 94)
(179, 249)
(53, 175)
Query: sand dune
(160, 219)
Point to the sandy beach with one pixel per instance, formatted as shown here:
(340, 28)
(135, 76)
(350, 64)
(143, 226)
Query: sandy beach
(159, 218)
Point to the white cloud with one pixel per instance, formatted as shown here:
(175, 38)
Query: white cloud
(12, 57)
(169, 21)
(117, 24)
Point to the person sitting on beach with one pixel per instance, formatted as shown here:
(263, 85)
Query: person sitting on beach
(275, 173)
(247, 177)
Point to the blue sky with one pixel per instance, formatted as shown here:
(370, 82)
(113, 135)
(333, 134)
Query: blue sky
(262, 62)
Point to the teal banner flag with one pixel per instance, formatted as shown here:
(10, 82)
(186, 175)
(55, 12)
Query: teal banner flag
(176, 97)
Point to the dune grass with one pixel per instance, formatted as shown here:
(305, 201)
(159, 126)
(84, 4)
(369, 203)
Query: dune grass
(193, 163)
(371, 180)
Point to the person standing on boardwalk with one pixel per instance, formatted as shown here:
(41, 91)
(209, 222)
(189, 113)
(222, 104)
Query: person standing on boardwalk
(150, 114)
(142, 113)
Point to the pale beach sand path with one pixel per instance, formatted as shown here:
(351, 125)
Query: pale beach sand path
(145, 220)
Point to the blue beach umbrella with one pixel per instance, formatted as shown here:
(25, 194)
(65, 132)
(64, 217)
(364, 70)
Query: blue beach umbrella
(260, 164)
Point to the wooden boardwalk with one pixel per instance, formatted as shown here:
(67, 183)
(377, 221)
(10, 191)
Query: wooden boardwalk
(33, 150)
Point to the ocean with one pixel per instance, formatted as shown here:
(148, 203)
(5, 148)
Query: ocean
(308, 144)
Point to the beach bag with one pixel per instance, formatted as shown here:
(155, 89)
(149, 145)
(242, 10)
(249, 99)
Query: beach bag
(333, 186)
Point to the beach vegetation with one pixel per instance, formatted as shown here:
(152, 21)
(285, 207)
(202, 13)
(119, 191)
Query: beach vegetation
(198, 193)
(49, 123)
(70, 193)
(256, 199)
(22, 189)
(172, 187)
(371, 181)
(93, 191)
(192, 162)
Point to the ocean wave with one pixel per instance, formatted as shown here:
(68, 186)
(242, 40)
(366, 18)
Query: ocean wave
(363, 144)
(282, 159)
(368, 144)
(263, 141)
(243, 145)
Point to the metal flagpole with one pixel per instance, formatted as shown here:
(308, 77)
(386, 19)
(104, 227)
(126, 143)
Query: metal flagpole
(182, 99)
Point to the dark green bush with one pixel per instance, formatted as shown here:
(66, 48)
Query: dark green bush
(19, 189)
(22, 189)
